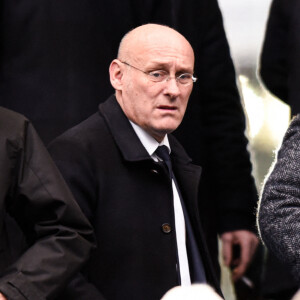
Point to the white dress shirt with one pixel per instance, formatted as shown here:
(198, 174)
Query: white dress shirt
(151, 145)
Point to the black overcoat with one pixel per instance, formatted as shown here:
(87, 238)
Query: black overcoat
(33, 193)
(127, 197)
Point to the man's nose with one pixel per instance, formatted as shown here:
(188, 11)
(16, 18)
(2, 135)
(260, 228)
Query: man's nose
(172, 87)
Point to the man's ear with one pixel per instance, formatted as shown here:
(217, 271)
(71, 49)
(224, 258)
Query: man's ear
(116, 74)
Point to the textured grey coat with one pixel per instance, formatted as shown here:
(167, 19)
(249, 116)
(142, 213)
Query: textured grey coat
(279, 207)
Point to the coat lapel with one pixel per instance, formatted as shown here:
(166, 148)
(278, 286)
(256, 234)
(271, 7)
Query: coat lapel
(124, 135)
(188, 177)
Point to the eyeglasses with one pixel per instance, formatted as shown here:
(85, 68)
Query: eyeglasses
(162, 76)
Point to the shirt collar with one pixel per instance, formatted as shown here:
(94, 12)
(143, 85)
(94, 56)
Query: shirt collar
(148, 141)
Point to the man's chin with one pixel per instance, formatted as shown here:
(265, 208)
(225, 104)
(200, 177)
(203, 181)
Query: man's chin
(169, 125)
(161, 132)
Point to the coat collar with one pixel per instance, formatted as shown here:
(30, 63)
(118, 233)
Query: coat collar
(122, 131)
(187, 174)
(126, 138)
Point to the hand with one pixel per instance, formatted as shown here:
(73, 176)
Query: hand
(2, 297)
(247, 242)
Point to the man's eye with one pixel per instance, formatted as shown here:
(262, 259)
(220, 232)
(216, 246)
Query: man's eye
(157, 74)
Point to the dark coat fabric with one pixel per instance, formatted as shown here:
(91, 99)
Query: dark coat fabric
(280, 58)
(55, 57)
(127, 197)
(33, 193)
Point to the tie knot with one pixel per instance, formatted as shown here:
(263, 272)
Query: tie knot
(163, 153)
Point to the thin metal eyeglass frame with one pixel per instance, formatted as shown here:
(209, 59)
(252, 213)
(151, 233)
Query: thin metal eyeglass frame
(194, 79)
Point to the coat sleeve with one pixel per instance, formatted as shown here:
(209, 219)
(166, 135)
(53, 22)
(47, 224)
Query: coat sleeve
(274, 57)
(80, 288)
(213, 130)
(60, 236)
(280, 63)
(73, 161)
(279, 206)
(224, 125)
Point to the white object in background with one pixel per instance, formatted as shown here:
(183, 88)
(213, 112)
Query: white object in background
(193, 292)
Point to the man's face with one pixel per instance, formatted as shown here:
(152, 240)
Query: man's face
(157, 107)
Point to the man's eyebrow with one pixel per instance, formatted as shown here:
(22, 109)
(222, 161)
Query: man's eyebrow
(183, 71)
(162, 66)
(158, 66)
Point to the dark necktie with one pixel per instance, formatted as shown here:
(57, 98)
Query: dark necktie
(195, 262)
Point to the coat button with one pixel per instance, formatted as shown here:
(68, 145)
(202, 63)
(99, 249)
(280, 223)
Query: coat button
(166, 228)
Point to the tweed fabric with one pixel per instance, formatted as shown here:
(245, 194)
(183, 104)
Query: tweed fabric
(279, 206)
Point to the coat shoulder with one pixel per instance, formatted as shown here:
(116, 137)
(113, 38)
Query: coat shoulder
(84, 131)
(12, 123)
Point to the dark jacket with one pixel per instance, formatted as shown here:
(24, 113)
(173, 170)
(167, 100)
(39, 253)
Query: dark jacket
(280, 59)
(55, 69)
(33, 192)
(127, 197)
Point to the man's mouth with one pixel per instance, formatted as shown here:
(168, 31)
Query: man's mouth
(167, 107)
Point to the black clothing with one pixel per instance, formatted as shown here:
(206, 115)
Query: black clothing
(128, 198)
(280, 58)
(195, 260)
(33, 192)
(55, 70)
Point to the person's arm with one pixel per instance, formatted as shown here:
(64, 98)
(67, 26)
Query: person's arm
(75, 165)
(216, 119)
(280, 63)
(279, 206)
(213, 130)
(228, 164)
(60, 236)
(80, 288)
(224, 122)
(274, 58)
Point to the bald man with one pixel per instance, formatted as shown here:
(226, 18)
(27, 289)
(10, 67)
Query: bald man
(143, 209)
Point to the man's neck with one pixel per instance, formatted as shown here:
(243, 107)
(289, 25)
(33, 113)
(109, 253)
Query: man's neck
(149, 142)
